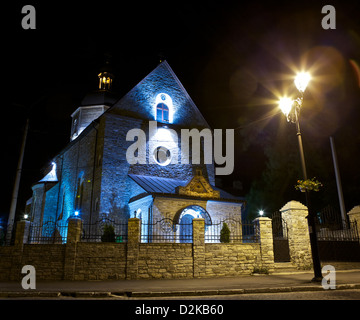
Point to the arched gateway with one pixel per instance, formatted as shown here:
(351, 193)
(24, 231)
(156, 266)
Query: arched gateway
(184, 218)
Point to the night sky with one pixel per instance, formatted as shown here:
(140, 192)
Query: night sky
(234, 59)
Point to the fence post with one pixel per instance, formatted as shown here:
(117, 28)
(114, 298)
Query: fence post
(354, 216)
(294, 213)
(198, 226)
(134, 227)
(266, 243)
(21, 237)
(73, 237)
(22, 232)
(74, 230)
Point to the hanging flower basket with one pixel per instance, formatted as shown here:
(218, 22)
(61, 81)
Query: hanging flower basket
(309, 185)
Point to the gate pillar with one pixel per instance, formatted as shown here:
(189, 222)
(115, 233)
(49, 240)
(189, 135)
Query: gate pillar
(354, 216)
(266, 242)
(294, 213)
(198, 247)
(134, 232)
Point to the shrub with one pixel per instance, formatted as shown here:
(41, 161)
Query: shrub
(261, 270)
(225, 233)
(109, 234)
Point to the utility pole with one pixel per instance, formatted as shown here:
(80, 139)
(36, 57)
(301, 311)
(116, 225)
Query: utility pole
(338, 182)
(15, 193)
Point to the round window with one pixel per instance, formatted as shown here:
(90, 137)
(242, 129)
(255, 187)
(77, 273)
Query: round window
(162, 156)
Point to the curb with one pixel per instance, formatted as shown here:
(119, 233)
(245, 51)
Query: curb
(144, 294)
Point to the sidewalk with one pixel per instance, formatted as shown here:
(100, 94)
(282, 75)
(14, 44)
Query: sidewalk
(274, 283)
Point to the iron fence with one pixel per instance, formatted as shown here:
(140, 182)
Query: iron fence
(105, 230)
(165, 230)
(345, 231)
(48, 232)
(239, 231)
(331, 227)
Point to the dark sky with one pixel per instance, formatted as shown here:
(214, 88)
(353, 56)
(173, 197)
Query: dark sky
(233, 58)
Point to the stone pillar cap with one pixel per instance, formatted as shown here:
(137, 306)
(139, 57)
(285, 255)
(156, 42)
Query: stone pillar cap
(293, 205)
(354, 210)
(262, 219)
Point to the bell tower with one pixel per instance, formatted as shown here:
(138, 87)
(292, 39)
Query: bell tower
(105, 77)
(95, 103)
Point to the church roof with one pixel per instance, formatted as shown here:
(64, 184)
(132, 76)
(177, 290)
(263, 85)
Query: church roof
(51, 176)
(157, 184)
(153, 184)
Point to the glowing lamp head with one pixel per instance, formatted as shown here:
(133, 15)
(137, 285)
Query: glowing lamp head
(285, 104)
(302, 80)
(26, 216)
(261, 213)
(76, 213)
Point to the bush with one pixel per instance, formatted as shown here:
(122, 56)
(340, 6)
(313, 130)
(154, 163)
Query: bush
(109, 234)
(225, 234)
(261, 270)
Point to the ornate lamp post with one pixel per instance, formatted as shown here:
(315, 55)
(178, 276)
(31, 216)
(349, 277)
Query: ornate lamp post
(291, 109)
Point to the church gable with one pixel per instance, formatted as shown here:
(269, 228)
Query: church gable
(198, 187)
(160, 96)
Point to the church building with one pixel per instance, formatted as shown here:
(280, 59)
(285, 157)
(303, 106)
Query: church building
(108, 171)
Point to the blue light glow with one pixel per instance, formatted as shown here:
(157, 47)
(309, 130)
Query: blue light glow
(51, 176)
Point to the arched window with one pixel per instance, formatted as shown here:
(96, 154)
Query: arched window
(97, 205)
(162, 112)
(163, 108)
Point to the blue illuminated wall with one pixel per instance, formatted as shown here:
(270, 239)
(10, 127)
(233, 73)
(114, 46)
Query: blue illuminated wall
(141, 101)
(98, 155)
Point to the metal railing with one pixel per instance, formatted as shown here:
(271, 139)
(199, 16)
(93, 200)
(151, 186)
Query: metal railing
(239, 231)
(48, 232)
(165, 230)
(345, 231)
(105, 230)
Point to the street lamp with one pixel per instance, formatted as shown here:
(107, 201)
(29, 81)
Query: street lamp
(302, 80)
(291, 109)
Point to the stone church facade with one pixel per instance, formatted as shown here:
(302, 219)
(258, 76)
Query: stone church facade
(93, 178)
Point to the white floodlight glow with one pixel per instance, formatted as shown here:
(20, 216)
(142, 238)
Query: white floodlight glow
(285, 105)
(302, 80)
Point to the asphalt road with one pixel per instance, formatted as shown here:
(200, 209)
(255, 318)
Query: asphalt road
(317, 295)
(350, 294)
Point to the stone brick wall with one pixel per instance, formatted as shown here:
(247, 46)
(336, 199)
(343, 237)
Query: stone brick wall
(100, 261)
(48, 260)
(78, 260)
(165, 260)
(294, 213)
(6, 255)
(354, 216)
(231, 259)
